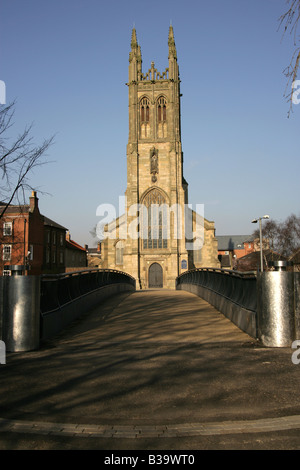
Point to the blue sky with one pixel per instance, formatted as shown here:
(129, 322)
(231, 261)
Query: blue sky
(65, 62)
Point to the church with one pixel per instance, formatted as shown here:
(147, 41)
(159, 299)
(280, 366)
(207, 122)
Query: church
(159, 236)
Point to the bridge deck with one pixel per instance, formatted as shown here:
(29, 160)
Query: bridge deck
(150, 364)
(166, 317)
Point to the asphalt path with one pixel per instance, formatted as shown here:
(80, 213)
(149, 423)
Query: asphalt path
(151, 370)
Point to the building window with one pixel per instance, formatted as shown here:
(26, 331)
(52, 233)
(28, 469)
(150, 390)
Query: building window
(6, 272)
(61, 257)
(7, 252)
(145, 110)
(119, 252)
(61, 239)
(7, 229)
(145, 117)
(155, 221)
(54, 238)
(161, 109)
(161, 117)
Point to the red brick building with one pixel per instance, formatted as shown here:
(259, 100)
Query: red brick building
(76, 255)
(54, 258)
(30, 242)
(22, 239)
(232, 247)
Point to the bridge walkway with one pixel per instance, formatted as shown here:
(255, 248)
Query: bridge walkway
(154, 369)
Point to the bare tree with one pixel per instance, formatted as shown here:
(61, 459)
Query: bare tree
(289, 232)
(284, 237)
(18, 158)
(290, 20)
(270, 233)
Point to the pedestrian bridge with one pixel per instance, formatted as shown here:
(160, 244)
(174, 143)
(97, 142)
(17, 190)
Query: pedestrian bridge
(145, 365)
(35, 308)
(150, 369)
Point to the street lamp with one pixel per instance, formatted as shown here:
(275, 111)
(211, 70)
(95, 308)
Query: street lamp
(254, 221)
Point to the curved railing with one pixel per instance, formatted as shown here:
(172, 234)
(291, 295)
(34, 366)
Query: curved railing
(58, 290)
(237, 287)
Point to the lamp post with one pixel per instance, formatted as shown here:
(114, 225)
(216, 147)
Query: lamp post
(254, 221)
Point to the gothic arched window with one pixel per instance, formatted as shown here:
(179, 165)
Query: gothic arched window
(145, 107)
(155, 218)
(161, 117)
(145, 117)
(161, 109)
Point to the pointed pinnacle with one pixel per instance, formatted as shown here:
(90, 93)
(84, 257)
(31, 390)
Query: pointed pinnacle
(171, 42)
(133, 38)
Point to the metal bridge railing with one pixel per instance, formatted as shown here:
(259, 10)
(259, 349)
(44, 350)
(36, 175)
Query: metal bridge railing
(238, 287)
(35, 307)
(60, 289)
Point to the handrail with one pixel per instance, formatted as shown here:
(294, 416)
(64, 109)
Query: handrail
(58, 290)
(242, 274)
(83, 271)
(235, 286)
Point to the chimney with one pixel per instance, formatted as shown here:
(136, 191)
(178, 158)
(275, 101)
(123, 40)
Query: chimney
(99, 247)
(33, 202)
(68, 236)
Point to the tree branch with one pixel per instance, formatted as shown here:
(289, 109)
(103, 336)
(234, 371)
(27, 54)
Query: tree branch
(17, 159)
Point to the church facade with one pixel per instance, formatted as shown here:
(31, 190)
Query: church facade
(151, 241)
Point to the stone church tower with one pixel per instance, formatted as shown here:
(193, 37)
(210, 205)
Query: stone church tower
(149, 240)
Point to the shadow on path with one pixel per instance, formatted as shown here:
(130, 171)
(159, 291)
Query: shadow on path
(152, 357)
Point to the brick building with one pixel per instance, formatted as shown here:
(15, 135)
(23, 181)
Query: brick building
(75, 255)
(22, 238)
(232, 247)
(31, 243)
(54, 261)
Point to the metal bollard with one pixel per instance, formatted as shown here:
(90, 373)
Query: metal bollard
(275, 308)
(21, 313)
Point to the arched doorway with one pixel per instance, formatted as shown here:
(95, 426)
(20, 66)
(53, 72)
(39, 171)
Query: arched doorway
(155, 275)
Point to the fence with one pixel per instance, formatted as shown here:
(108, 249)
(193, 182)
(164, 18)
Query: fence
(59, 290)
(34, 308)
(265, 305)
(231, 292)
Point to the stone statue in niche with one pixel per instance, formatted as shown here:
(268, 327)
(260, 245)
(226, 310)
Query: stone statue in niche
(154, 163)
